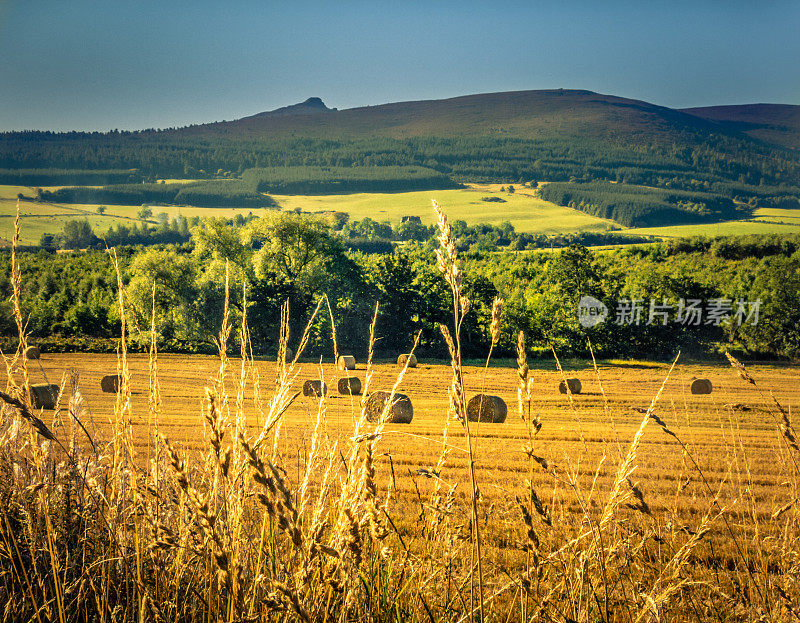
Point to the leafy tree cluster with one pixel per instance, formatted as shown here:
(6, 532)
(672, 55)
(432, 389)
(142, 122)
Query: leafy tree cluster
(78, 234)
(64, 294)
(373, 237)
(320, 180)
(290, 256)
(638, 206)
(168, 231)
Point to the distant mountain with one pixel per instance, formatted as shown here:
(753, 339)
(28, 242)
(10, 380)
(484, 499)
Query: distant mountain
(519, 114)
(778, 124)
(748, 155)
(312, 106)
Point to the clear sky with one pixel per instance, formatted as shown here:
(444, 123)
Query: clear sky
(81, 64)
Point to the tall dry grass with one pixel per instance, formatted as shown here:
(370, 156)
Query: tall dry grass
(92, 529)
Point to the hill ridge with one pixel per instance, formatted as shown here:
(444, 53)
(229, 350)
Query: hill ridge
(777, 124)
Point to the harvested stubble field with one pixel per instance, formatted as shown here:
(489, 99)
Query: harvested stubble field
(730, 433)
(213, 491)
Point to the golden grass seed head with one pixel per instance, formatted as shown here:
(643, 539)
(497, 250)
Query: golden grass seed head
(739, 367)
(497, 310)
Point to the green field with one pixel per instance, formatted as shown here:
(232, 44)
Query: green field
(765, 221)
(525, 211)
(49, 218)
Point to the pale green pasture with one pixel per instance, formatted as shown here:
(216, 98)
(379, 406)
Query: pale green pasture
(11, 192)
(173, 211)
(37, 220)
(525, 212)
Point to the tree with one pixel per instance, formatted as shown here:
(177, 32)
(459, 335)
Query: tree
(174, 278)
(214, 239)
(290, 244)
(400, 301)
(101, 209)
(411, 230)
(145, 213)
(510, 189)
(77, 235)
(575, 273)
(777, 286)
(47, 242)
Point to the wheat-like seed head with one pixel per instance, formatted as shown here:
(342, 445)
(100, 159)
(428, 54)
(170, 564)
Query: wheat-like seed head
(739, 367)
(497, 310)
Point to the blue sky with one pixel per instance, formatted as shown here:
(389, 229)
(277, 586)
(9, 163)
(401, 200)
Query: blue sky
(98, 65)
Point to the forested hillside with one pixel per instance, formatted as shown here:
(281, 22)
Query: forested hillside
(638, 206)
(76, 177)
(778, 124)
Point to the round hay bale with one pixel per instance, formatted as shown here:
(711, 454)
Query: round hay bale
(347, 362)
(486, 408)
(111, 383)
(401, 411)
(574, 386)
(700, 386)
(315, 388)
(289, 354)
(411, 358)
(32, 352)
(349, 386)
(44, 395)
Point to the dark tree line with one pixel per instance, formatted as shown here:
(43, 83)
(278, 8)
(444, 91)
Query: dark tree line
(313, 180)
(207, 194)
(638, 206)
(63, 177)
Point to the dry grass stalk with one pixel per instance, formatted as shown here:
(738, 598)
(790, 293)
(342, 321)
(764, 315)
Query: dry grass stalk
(783, 422)
(447, 263)
(524, 390)
(618, 496)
